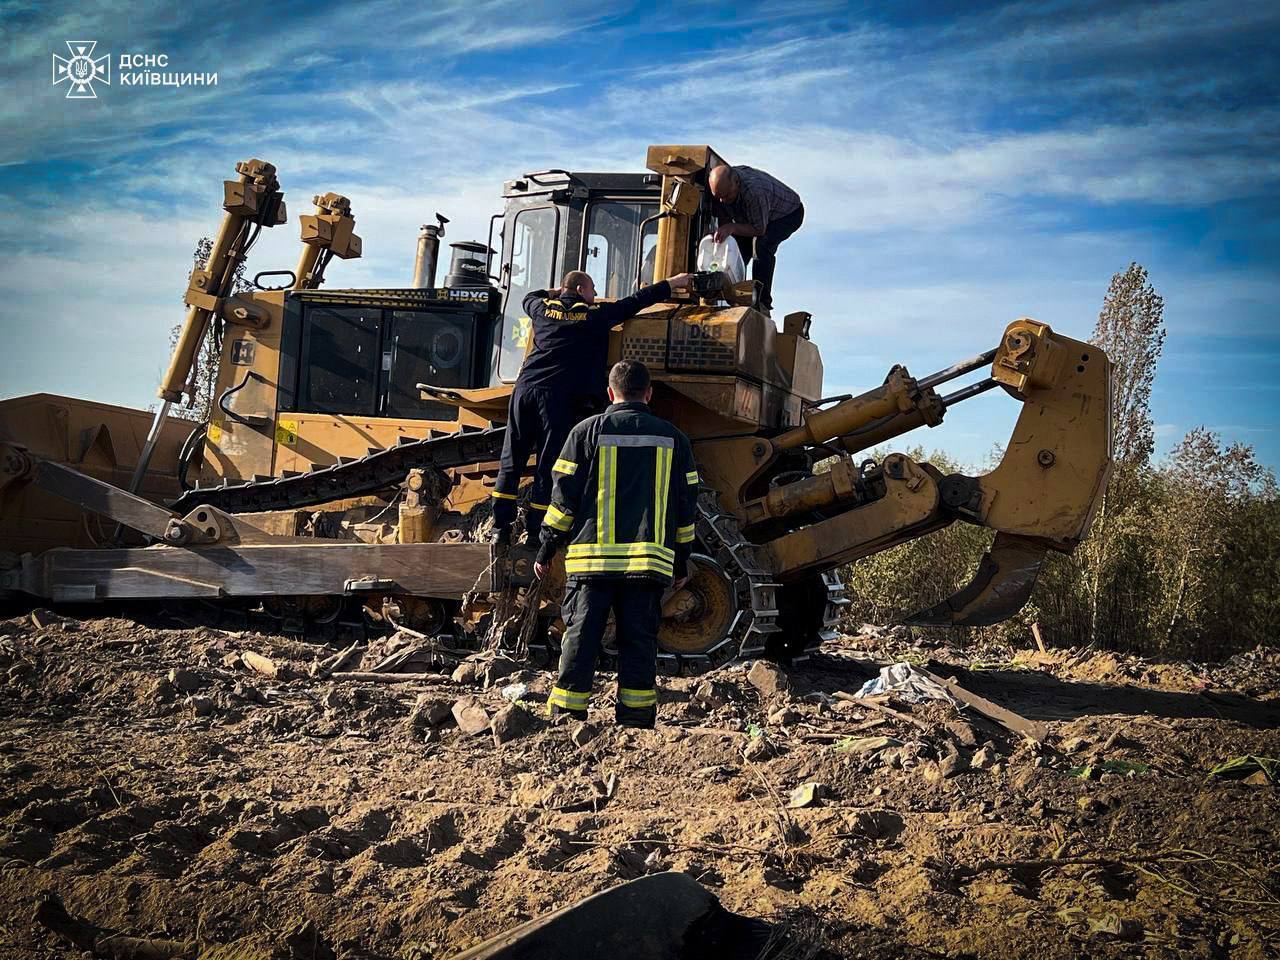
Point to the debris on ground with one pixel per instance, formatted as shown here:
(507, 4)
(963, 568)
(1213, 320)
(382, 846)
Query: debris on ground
(1248, 768)
(904, 680)
(160, 789)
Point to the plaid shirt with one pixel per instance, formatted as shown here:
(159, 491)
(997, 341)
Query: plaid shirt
(761, 199)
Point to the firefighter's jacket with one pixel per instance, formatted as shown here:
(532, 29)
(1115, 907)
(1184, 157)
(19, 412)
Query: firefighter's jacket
(624, 494)
(571, 338)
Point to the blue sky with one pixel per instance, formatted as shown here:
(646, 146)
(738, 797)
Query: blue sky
(962, 165)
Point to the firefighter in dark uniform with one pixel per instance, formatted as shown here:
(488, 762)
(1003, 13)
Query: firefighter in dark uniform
(624, 497)
(561, 382)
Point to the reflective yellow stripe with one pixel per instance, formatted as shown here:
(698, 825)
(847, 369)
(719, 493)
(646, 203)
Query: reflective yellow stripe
(569, 699)
(645, 564)
(692, 476)
(637, 698)
(538, 506)
(621, 550)
(658, 528)
(557, 519)
(606, 491)
(499, 495)
(684, 534)
(567, 467)
(661, 489)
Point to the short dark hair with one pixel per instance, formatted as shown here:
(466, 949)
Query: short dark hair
(573, 281)
(629, 379)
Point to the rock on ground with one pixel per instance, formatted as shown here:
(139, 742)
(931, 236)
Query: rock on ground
(768, 678)
(470, 716)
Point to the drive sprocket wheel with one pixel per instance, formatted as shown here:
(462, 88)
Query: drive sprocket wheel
(699, 616)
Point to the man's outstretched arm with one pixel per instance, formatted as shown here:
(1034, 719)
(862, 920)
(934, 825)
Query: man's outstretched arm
(612, 314)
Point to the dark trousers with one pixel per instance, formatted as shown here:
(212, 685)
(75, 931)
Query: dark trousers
(538, 421)
(637, 608)
(766, 251)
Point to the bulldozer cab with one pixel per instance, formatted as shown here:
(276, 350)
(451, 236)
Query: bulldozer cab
(345, 370)
(556, 221)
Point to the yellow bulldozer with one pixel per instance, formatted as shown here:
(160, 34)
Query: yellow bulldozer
(344, 473)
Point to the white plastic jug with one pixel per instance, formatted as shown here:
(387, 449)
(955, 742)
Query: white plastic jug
(724, 256)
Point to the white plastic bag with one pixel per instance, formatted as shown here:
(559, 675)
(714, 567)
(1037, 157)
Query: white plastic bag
(906, 681)
(724, 256)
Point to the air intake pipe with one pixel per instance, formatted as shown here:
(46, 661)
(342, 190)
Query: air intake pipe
(470, 266)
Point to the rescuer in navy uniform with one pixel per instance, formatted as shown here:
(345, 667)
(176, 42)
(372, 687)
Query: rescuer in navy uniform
(625, 497)
(562, 381)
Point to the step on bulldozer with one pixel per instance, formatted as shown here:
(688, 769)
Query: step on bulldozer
(345, 471)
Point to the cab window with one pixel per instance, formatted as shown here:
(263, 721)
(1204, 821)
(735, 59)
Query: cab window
(424, 348)
(615, 247)
(341, 347)
(530, 267)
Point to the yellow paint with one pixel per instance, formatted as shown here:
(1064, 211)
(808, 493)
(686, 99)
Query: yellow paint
(287, 432)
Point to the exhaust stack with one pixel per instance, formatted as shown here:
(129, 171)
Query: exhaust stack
(424, 264)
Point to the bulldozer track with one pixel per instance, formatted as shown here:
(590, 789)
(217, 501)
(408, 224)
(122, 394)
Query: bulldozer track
(721, 538)
(719, 534)
(834, 610)
(380, 469)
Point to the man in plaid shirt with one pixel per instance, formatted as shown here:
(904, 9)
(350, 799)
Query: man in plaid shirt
(753, 206)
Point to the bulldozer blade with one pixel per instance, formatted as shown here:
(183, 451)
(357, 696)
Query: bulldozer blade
(999, 588)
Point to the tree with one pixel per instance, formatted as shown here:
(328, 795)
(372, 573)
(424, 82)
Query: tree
(1130, 329)
(204, 376)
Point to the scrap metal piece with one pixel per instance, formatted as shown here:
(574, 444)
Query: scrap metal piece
(999, 588)
(664, 916)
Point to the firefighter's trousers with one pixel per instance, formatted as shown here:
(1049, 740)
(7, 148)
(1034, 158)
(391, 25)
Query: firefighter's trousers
(637, 607)
(538, 422)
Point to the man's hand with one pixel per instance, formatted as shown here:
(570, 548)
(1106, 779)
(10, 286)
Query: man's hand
(539, 569)
(681, 281)
(723, 232)
(678, 583)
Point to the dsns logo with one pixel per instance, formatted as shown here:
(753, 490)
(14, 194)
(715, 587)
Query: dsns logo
(81, 70)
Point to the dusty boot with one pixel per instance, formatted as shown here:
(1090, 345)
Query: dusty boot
(641, 718)
(559, 711)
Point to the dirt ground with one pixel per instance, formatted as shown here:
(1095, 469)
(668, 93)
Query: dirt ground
(159, 783)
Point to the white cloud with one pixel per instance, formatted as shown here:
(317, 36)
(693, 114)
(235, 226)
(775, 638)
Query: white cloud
(937, 210)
